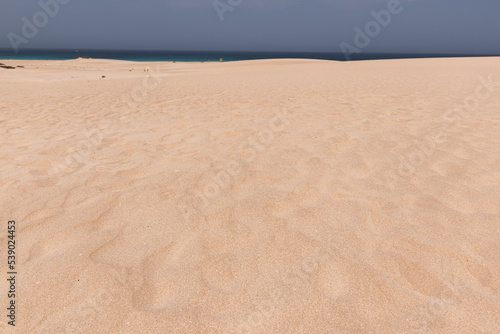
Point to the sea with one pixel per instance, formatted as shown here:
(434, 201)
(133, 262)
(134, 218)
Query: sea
(200, 56)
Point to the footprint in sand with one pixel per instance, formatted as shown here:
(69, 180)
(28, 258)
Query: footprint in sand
(170, 280)
(224, 273)
(481, 273)
(154, 224)
(59, 242)
(331, 280)
(223, 232)
(420, 279)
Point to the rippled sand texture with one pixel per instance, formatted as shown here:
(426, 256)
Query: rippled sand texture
(278, 196)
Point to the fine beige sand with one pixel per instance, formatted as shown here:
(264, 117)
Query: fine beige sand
(273, 196)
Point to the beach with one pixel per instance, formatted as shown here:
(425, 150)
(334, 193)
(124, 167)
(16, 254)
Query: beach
(265, 196)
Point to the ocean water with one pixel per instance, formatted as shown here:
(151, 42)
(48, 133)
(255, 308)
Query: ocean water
(198, 56)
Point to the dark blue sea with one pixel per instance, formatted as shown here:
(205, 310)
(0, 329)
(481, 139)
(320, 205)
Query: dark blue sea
(198, 56)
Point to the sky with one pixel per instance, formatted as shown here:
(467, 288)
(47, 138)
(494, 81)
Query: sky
(418, 26)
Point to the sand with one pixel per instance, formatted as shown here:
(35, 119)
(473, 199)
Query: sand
(271, 196)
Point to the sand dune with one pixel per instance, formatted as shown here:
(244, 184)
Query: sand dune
(273, 196)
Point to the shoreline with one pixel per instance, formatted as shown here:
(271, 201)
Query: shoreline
(196, 56)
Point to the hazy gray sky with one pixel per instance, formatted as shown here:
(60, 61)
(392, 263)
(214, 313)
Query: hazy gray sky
(426, 26)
